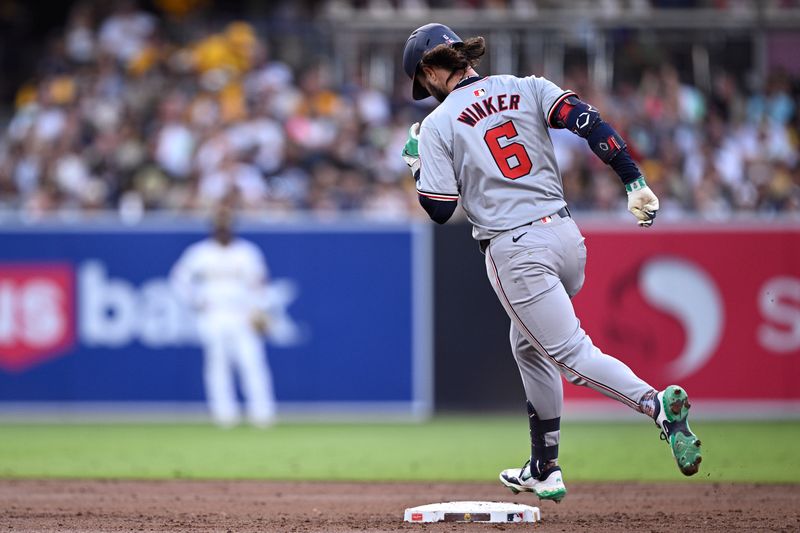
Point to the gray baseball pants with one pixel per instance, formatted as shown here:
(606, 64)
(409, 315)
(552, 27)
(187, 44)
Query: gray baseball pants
(535, 270)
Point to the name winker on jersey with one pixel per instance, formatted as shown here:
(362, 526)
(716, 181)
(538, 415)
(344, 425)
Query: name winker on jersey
(478, 111)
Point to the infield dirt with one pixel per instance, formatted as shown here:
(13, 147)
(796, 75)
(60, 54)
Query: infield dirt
(242, 506)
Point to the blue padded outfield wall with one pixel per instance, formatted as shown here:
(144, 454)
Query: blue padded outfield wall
(87, 318)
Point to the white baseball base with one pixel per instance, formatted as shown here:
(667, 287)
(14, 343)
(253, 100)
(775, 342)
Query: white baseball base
(487, 512)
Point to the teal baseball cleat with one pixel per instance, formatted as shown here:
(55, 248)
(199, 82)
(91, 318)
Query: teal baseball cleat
(672, 419)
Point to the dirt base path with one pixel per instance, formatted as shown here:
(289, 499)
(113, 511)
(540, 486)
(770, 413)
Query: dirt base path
(242, 506)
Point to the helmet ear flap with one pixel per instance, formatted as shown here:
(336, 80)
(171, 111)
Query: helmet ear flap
(418, 91)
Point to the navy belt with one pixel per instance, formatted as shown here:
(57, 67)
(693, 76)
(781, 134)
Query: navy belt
(563, 213)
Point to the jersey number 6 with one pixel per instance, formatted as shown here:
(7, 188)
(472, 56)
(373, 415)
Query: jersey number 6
(503, 154)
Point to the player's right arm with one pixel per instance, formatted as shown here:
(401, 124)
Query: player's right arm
(564, 110)
(432, 165)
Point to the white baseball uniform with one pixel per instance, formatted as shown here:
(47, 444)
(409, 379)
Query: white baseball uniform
(225, 285)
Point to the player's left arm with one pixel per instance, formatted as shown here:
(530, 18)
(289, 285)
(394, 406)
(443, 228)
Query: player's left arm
(258, 289)
(585, 121)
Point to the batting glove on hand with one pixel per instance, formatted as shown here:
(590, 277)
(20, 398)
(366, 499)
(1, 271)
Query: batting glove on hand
(642, 202)
(411, 149)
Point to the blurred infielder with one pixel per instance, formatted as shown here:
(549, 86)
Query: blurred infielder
(223, 279)
(488, 144)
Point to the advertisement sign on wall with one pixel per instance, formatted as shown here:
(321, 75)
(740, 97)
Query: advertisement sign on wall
(714, 307)
(87, 317)
(717, 310)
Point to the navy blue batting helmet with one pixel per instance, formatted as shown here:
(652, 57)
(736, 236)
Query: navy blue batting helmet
(420, 41)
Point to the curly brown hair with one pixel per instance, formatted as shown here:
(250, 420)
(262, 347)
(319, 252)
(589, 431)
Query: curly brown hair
(456, 56)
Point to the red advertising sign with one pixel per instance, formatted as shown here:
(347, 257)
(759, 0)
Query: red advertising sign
(716, 310)
(37, 313)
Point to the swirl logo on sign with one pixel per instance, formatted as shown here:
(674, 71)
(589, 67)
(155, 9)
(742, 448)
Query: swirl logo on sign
(680, 288)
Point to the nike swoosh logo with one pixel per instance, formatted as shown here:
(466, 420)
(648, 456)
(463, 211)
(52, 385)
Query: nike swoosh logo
(518, 237)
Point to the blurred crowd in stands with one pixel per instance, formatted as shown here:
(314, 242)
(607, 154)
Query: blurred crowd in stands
(609, 8)
(123, 117)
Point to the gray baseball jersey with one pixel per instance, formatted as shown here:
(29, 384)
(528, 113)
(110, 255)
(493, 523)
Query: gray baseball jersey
(488, 143)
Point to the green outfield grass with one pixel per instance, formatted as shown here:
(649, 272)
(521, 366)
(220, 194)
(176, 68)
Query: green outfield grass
(445, 449)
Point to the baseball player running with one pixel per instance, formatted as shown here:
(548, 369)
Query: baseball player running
(488, 144)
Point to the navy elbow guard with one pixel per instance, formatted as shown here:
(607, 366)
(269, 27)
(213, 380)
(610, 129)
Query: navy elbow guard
(584, 120)
(605, 142)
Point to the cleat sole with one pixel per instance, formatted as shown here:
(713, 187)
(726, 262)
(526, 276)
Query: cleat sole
(684, 444)
(554, 496)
